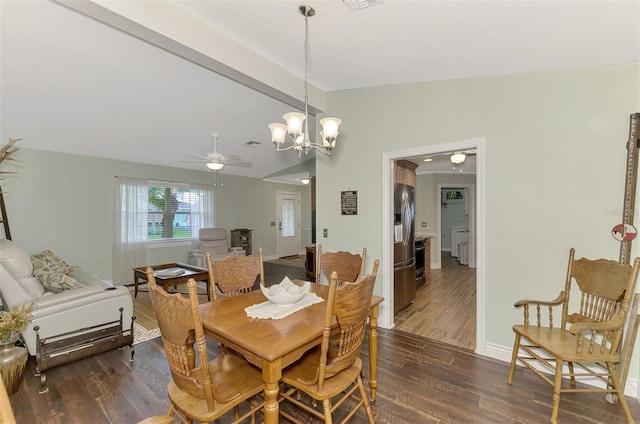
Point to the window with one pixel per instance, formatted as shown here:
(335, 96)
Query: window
(171, 212)
(155, 212)
(164, 211)
(288, 218)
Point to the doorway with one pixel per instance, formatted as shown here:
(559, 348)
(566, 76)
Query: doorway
(387, 315)
(462, 216)
(288, 241)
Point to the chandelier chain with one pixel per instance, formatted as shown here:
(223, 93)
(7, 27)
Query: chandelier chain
(306, 72)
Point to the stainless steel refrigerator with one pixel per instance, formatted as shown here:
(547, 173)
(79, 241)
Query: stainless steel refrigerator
(404, 267)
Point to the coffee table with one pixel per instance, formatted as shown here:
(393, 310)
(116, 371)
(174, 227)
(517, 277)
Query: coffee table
(167, 281)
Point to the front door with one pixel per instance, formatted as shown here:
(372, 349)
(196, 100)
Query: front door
(288, 224)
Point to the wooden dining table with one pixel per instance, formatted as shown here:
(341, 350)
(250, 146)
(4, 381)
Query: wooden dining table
(272, 344)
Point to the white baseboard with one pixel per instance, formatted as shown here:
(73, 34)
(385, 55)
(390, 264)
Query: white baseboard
(503, 353)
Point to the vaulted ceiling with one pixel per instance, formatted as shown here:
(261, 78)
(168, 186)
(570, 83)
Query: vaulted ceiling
(72, 83)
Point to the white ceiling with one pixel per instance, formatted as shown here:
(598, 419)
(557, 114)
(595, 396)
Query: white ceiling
(72, 84)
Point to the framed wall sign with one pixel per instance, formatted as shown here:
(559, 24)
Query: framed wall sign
(349, 202)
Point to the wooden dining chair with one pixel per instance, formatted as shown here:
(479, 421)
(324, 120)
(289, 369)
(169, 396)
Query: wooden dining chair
(207, 390)
(349, 266)
(334, 369)
(589, 333)
(234, 275)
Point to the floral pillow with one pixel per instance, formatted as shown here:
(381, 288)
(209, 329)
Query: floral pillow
(57, 282)
(47, 261)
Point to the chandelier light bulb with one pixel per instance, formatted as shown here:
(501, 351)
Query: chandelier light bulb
(278, 133)
(294, 122)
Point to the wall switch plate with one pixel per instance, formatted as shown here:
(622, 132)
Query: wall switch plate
(273, 224)
(423, 224)
(325, 233)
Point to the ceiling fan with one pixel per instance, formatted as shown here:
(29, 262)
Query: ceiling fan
(456, 157)
(460, 156)
(216, 160)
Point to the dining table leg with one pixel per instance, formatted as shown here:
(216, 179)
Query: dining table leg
(373, 352)
(271, 374)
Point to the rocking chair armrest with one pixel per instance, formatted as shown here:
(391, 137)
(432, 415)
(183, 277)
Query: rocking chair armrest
(613, 324)
(557, 301)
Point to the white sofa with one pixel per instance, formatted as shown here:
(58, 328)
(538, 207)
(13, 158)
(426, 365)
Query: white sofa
(92, 305)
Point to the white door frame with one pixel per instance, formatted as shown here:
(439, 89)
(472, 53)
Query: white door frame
(386, 308)
(298, 225)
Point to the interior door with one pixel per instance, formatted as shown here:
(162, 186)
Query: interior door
(288, 224)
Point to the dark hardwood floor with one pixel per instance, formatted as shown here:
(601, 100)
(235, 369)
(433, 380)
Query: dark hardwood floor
(420, 381)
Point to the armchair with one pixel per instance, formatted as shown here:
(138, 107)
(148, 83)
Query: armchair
(215, 242)
(588, 337)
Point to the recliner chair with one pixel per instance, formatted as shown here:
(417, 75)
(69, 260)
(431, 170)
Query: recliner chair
(215, 242)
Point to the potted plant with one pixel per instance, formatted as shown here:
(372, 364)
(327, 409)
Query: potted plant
(13, 358)
(14, 322)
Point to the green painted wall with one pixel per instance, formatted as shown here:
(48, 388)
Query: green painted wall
(64, 203)
(555, 170)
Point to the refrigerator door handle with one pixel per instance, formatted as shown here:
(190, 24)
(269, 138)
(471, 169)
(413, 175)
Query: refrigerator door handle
(402, 268)
(406, 218)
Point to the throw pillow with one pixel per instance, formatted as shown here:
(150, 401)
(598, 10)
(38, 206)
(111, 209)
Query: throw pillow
(57, 282)
(47, 261)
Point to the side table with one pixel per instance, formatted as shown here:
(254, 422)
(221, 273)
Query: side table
(190, 271)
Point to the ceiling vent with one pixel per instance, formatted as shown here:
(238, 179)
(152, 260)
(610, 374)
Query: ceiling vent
(355, 5)
(252, 143)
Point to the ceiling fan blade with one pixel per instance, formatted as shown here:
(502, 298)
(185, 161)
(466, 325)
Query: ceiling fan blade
(236, 163)
(193, 155)
(232, 157)
(218, 157)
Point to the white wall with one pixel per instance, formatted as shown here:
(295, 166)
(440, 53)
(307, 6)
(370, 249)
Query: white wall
(64, 203)
(555, 160)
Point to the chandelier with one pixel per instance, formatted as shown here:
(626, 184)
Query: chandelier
(297, 126)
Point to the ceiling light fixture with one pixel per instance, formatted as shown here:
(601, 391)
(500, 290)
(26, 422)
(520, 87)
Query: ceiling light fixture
(295, 120)
(216, 166)
(304, 180)
(457, 158)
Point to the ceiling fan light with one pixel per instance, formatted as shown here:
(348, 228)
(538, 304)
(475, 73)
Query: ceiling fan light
(215, 166)
(458, 158)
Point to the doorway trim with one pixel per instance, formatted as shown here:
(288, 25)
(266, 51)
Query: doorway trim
(386, 315)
